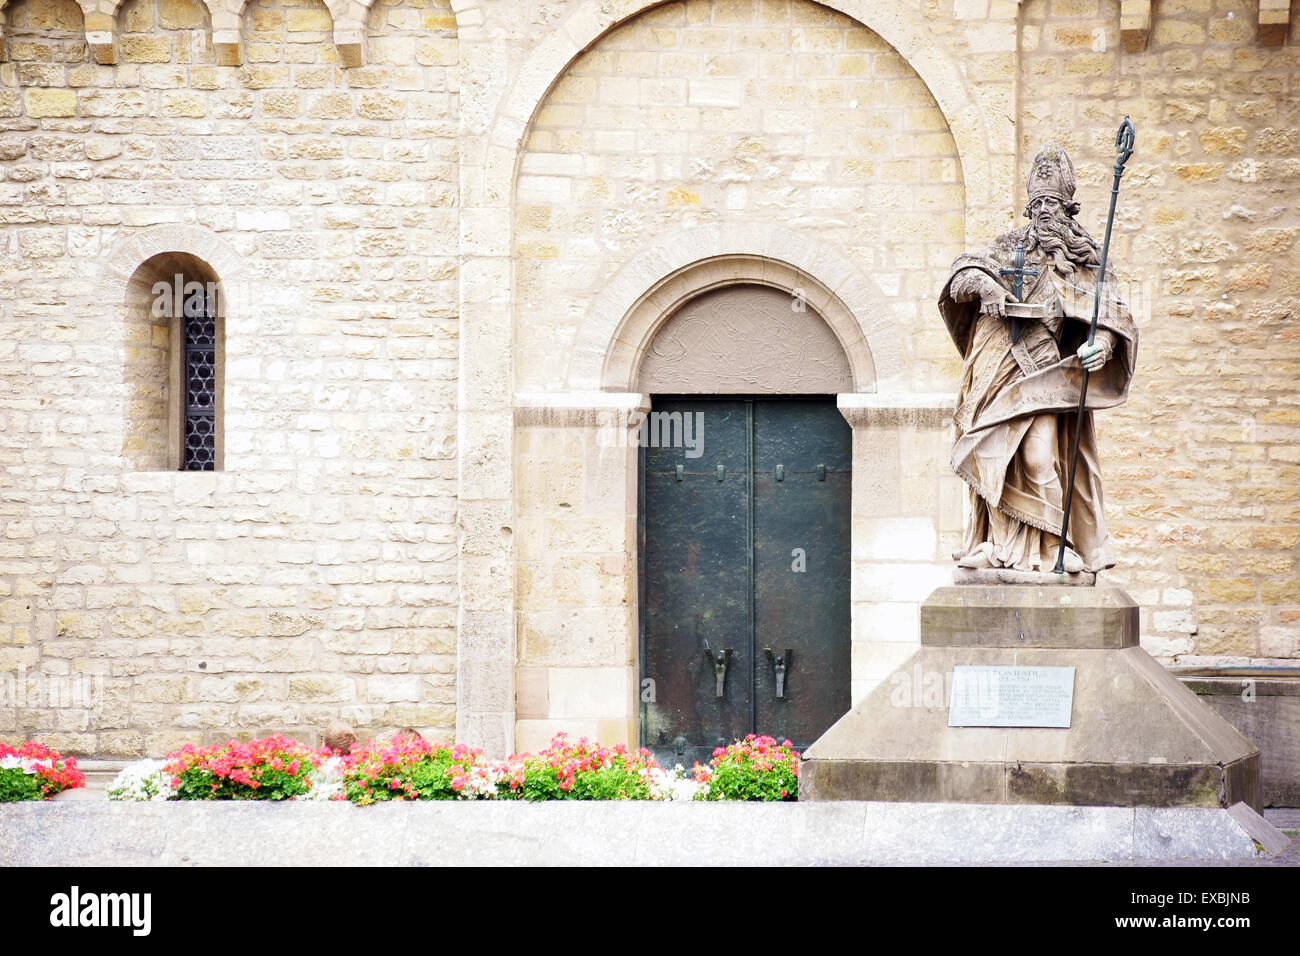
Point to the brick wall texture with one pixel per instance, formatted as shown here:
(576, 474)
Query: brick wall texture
(316, 575)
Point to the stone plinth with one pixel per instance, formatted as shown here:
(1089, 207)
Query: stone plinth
(1137, 737)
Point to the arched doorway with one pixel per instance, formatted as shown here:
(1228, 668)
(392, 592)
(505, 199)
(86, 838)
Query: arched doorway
(743, 525)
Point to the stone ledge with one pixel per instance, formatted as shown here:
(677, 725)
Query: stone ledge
(879, 409)
(88, 833)
(579, 409)
(999, 576)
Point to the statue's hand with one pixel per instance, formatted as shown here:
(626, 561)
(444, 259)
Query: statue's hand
(993, 299)
(1094, 356)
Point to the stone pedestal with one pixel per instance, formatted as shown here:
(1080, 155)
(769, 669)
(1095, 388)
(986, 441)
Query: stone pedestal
(1136, 737)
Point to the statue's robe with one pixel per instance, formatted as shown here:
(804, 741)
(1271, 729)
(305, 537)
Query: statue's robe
(1004, 388)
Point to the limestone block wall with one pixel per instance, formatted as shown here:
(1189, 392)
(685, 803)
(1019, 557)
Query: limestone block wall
(1202, 466)
(576, 542)
(907, 522)
(315, 576)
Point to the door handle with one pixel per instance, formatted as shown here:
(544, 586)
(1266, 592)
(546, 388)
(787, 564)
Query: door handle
(719, 662)
(779, 666)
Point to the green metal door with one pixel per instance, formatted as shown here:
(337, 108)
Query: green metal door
(744, 590)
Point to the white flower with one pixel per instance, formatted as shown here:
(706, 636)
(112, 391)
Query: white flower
(673, 785)
(142, 780)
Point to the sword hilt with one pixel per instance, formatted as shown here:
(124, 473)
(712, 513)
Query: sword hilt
(1018, 286)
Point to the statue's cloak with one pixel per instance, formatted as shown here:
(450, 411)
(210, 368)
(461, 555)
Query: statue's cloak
(1004, 387)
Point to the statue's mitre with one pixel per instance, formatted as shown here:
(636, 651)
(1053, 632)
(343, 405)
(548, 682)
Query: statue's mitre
(1052, 174)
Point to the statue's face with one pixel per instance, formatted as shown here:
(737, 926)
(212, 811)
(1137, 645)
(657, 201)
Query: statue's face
(1046, 209)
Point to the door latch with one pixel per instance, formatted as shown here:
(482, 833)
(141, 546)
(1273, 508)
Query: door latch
(719, 662)
(779, 667)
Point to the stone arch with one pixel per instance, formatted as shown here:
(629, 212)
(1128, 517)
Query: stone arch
(893, 20)
(658, 280)
(583, 208)
(137, 247)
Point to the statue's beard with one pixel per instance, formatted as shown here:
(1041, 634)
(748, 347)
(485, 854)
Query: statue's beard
(1064, 241)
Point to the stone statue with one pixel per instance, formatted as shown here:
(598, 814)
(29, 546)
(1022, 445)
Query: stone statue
(1017, 410)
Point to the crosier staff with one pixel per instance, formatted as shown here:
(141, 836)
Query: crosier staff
(1124, 140)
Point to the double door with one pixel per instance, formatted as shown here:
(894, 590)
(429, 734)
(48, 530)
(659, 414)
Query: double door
(744, 585)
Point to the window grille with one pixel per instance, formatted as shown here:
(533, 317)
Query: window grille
(200, 384)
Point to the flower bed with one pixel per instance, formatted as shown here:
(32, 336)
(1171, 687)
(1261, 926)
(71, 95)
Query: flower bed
(586, 771)
(411, 768)
(756, 768)
(34, 772)
(408, 767)
(274, 768)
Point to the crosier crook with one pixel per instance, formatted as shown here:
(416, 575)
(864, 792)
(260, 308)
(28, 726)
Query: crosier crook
(1124, 140)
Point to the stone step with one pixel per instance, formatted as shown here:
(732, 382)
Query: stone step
(623, 833)
(100, 773)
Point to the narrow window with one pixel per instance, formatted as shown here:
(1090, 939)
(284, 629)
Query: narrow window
(200, 451)
(174, 331)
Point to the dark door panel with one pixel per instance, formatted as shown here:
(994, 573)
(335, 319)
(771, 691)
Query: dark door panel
(695, 583)
(801, 568)
(720, 525)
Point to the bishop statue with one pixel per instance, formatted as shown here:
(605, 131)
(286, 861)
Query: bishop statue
(1019, 314)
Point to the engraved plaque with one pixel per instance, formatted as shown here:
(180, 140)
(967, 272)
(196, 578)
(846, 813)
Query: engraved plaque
(1011, 697)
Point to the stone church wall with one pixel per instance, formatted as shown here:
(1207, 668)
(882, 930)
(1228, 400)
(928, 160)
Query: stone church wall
(315, 574)
(429, 223)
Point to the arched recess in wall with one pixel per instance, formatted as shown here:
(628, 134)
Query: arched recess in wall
(794, 351)
(174, 372)
(140, 266)
(284, 34)
(399, 32)
(46, 33)
(177, 32)
(731, 129)
(895, 21)
(681, 335)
